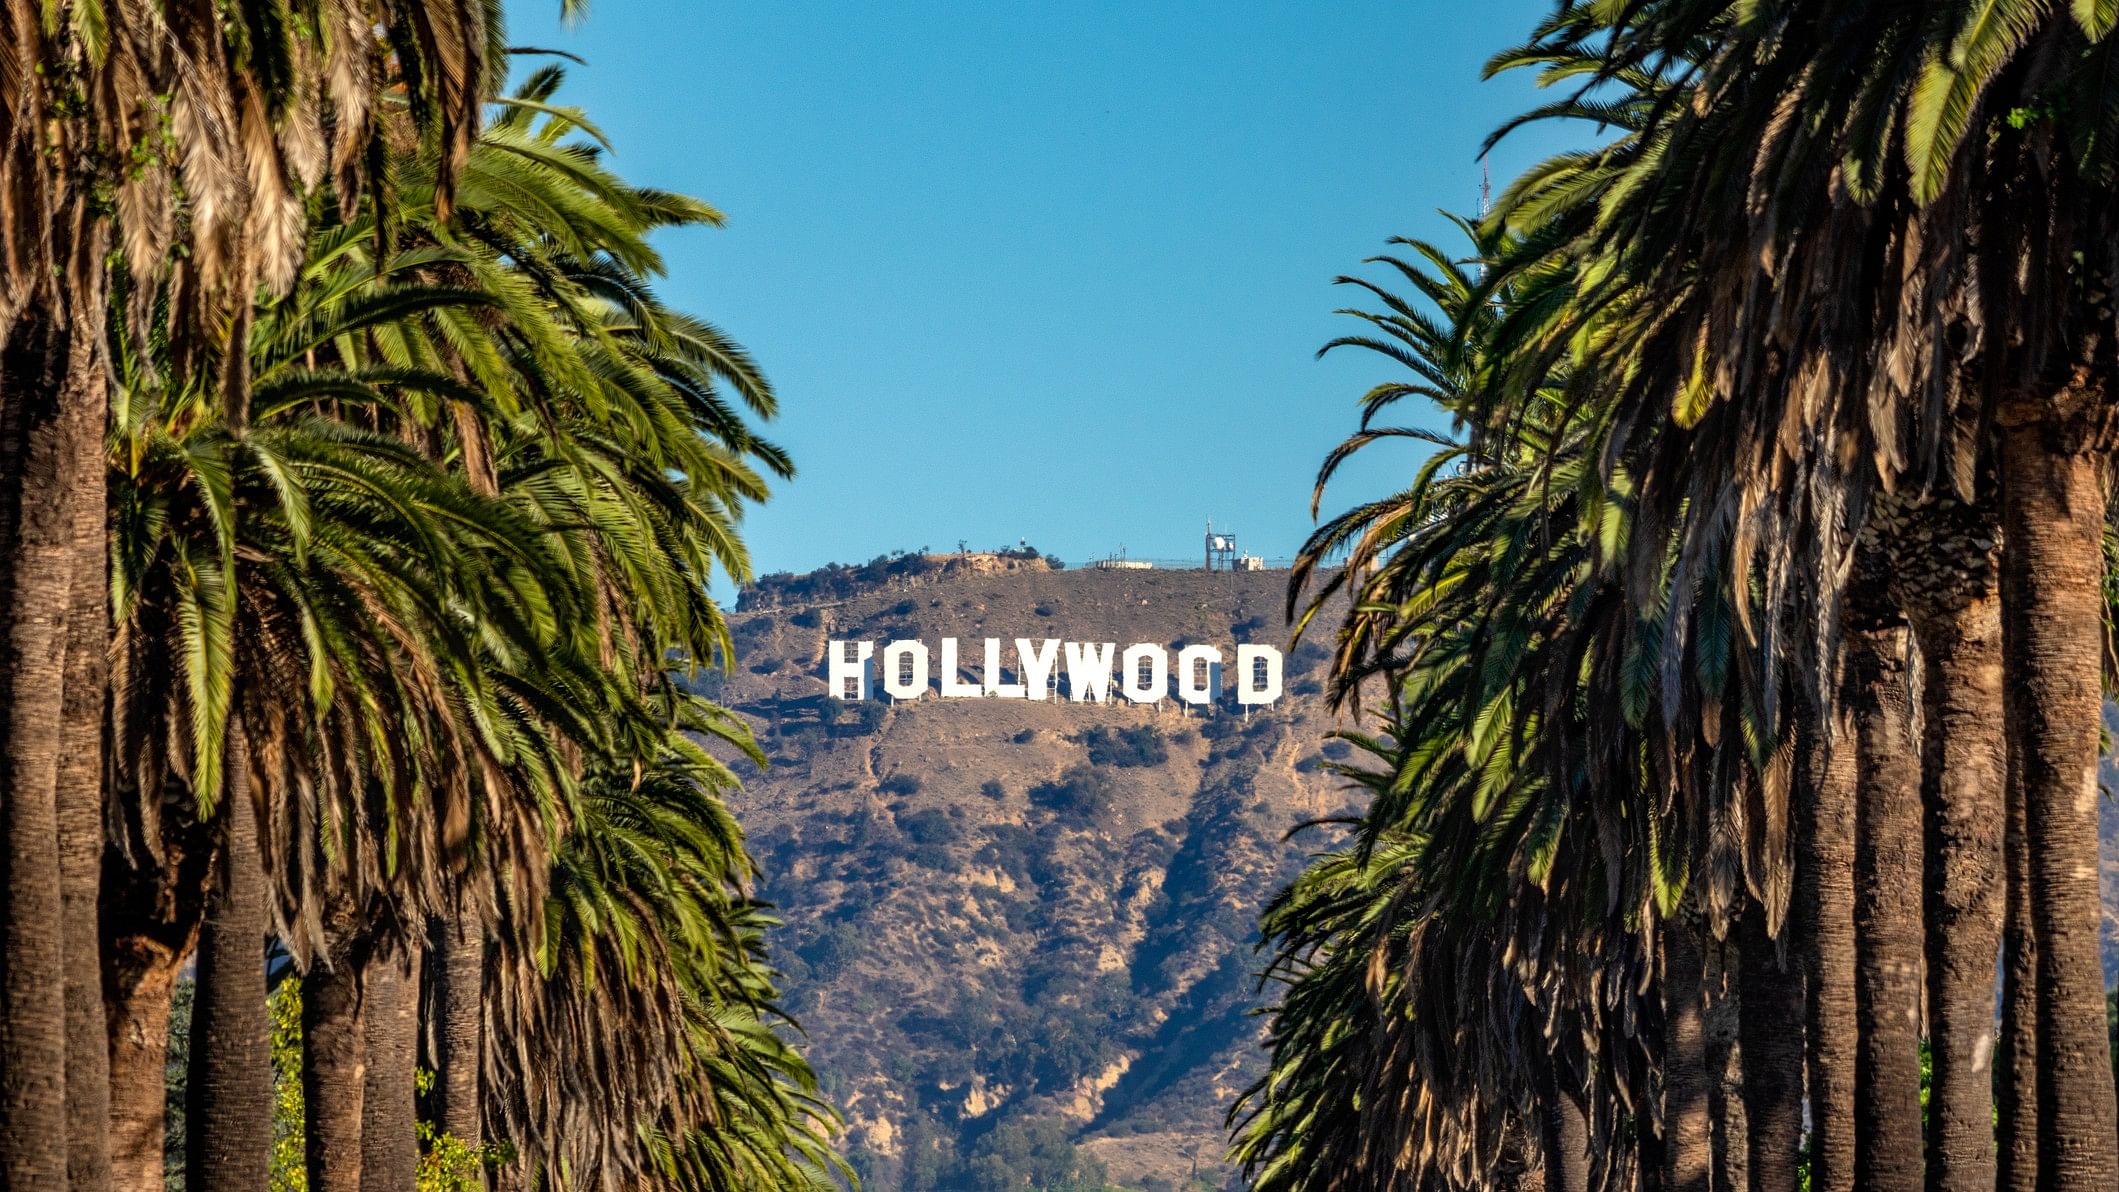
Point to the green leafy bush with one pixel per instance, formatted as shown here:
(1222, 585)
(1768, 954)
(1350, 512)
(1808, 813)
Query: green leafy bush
(1138, 746)
(1079, 796)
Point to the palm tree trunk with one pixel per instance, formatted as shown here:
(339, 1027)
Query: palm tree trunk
(1566, 1127)
(2017, 1094)
(1688, 1127)
(150, 925)
(1773, 1057)
(1964, 775)
(334, 1072)
(228, 1118)
(458, 975)
(1887, 929)
(389, 1109)
(1825, 919)
(139, 1059)
(1722, 1009)
(43, 387)
(2053, 500)
(78, 798)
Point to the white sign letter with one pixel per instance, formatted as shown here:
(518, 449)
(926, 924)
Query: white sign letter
(905, 670)
(845, 665)
(1089, 670)
(953, 684)
(1146, 678)
(1199, 674)
(994, 686)
(1037, 664)
(1257, 674)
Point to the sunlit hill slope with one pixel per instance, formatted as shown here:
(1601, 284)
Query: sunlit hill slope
(1019, 927)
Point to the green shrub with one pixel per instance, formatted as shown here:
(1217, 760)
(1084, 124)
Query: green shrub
(288, 1113)
(1137, 746)
(1080, 795)
(931, 826)
(831, 951)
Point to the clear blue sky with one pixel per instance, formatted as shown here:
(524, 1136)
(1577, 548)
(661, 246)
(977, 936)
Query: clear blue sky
(1053, 271)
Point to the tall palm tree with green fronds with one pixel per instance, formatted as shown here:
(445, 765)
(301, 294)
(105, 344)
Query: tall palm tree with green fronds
(507, 564)
(613, 422)
(1830, 311)
(1934, 184)
(298, 555)
(642, 1046)
(541, 372)
(188, 138)
(1531, 851)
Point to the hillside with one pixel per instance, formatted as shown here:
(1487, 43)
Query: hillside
(1018, 927)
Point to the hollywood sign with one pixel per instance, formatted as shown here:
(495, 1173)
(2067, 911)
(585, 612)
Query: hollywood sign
(1052, 669)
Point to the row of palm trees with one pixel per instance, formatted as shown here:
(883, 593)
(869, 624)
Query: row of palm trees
(1739, 664)
(361, 501)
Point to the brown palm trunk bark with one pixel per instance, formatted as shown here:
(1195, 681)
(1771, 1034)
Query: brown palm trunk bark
(48, 384)
(457, 975)
(389, 1108)
(1688, 1127)
(1565, 1122)
(2016, 1102)
(1772, 1001)
(139, 1059)
(1951, 593)
(228, 1117)
(2053, 500)
(150, 924)
(1725, 1077)
(79, 801)
(1824, 887)
(334, 1072)
(1887, 917)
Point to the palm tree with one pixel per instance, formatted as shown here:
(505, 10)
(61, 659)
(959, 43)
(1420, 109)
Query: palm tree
(1772, 1001)
(1826, 814)
(79, 802)
(1955, 159)
(594, 414)
(456, 962)
(1523, 819)
(1887, 926)
(301, 555)
(2016, 1092)
(640, 1047)
(334, 1059)
(228, 1120)
(1688, 1123)
(1947, 582)
(1711, 455)
(389, 1140)
(90, 170)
